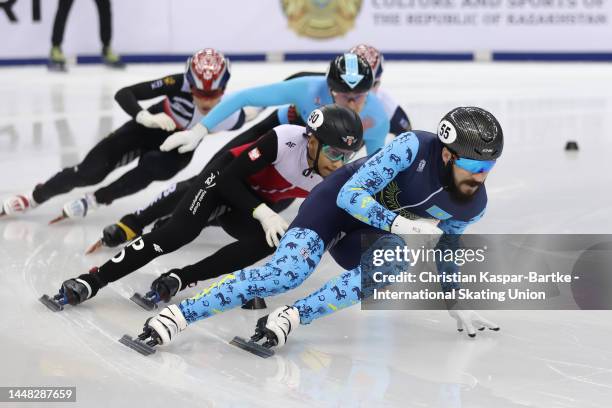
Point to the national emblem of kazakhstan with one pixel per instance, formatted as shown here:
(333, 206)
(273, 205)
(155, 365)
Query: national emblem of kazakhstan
(321, 18)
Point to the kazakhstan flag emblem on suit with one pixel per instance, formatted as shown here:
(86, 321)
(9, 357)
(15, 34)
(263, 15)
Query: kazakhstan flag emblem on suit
(438, 213)
(321, 18)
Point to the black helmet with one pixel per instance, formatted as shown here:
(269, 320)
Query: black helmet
(349, 73)
(336, 126)
(472, 133)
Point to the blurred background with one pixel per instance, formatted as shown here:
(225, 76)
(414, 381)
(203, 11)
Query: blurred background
(169, 30)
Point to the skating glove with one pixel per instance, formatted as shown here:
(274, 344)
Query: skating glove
(251, 112)
(469, 320)
(186, 140)
(167, 324)
(404, 226)
(155, 121)
(273, 224)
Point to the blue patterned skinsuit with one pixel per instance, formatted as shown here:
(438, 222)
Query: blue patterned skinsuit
(307, 94)
(406, 177)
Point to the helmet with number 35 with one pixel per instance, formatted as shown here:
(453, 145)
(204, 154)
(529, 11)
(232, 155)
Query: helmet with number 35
(472, 133)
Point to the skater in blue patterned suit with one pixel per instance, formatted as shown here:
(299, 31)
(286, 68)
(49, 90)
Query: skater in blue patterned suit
(421, 183)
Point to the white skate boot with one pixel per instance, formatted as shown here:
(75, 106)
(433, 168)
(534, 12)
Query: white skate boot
(274, 328)
(167, 324)
(78, 208)
(280, 323)
(158, 330)
(16, 204)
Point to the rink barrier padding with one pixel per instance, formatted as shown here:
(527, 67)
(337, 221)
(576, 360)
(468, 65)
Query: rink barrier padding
(23, 61)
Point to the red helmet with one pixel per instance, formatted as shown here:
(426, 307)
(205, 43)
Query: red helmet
(207, 72)
(373, 56)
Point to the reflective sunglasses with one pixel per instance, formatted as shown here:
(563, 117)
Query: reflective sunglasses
(475, 166)
(336, 154)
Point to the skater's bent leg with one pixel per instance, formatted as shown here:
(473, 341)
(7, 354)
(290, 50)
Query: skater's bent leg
(338, 293)
(184, 226)
(119, 148)
(237, 255)
(349, 288)
(153, 166)
(250, 246)
(92, 170)
(146, 248)
(296, 257)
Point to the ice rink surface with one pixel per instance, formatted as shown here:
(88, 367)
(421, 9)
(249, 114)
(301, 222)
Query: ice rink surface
(353, 358)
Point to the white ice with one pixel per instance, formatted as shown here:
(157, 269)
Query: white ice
(353, 358)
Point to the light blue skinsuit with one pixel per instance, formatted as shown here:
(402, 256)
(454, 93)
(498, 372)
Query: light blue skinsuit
(307, 94)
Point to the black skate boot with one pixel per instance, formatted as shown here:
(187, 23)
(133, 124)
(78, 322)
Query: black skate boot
(162, 289)
(114, 235)
(117, 234)
(273, 328)
(75, 291)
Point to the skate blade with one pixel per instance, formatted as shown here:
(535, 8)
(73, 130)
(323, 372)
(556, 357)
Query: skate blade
(255, 304)
(51, 303)
(94, 247)
(252, 347)
(58, 219)
(143, 302)
(137, 345)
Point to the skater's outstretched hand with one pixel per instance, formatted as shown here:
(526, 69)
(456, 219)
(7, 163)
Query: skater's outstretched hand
(469, 320)
(167, 324)
(186, 140)
(155, 121)
(273, 224)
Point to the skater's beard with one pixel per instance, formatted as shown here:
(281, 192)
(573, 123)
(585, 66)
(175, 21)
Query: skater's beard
(456, 188)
